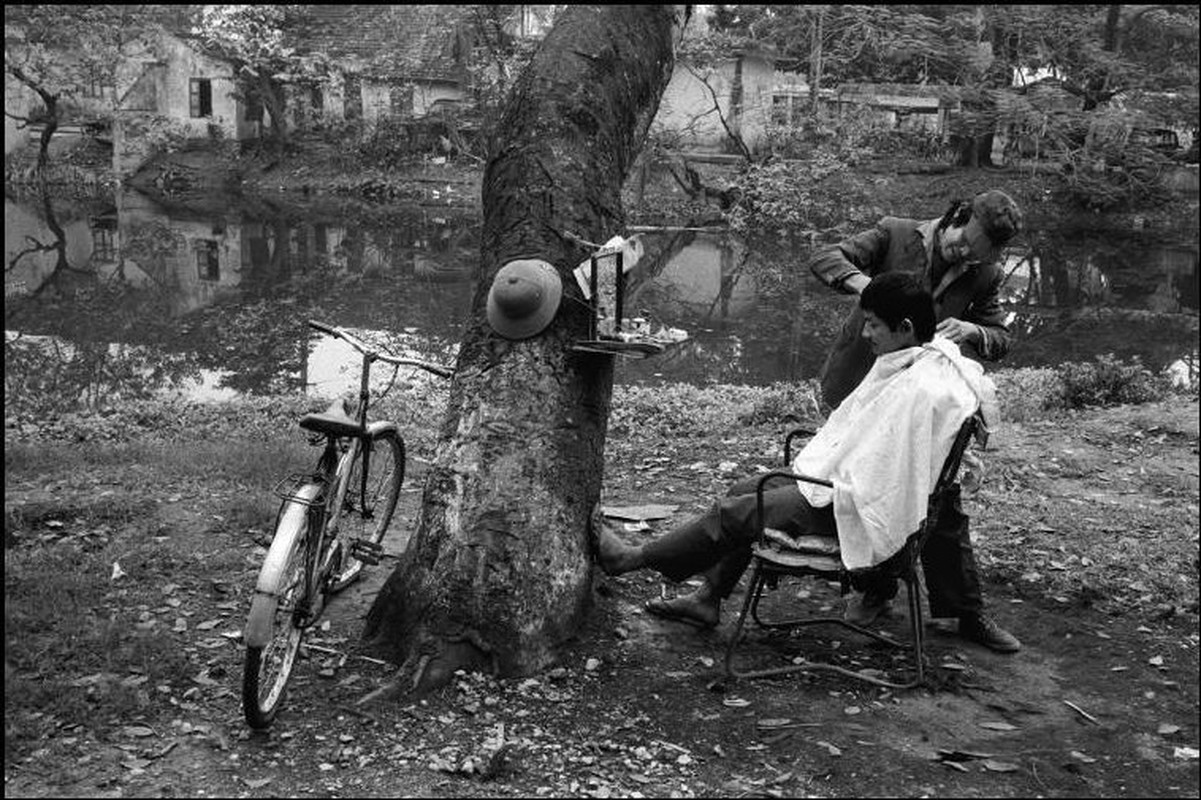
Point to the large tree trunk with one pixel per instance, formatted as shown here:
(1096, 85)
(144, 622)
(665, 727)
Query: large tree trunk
(500, 573)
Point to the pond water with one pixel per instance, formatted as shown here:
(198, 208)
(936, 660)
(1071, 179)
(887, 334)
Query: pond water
(130, 296)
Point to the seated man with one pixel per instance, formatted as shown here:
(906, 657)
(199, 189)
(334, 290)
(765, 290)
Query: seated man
(882, 448)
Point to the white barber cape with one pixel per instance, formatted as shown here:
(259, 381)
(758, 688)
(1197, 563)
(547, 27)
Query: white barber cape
(885, 444)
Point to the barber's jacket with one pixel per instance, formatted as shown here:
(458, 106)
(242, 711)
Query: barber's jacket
(884, 446)
(972, 294)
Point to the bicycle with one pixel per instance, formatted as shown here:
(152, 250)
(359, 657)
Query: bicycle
(330, 524)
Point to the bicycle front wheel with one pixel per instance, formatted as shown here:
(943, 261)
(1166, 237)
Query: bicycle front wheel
(363, 509)
(272, 626)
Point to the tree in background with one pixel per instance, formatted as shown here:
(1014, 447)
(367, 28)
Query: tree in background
(1130, 67)
(68, 56)
(259, 40)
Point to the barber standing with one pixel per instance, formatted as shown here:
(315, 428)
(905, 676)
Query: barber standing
(957, 257)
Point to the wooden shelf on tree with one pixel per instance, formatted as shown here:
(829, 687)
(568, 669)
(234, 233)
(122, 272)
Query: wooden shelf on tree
(635, 348)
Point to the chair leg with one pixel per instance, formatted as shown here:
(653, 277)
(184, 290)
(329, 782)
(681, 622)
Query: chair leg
(749, 608)
(753, 590)
(917, 624)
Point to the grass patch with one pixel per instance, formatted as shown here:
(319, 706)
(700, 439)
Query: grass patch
(681, 409)
(75, 646)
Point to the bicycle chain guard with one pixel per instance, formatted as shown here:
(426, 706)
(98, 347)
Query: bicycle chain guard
(367, 551)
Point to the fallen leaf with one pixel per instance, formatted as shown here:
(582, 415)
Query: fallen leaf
(208, 624)
(774, 722)
(1167, 729)
(1187, 753)
(1081, 757)
(1155, 661)
(960, 755)
(998, 726)
(117, 571)
(137, 730)
(256, 783)
(735, 702)
(831, 749)
(1000, 766)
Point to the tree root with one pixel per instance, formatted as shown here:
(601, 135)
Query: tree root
(433, 671)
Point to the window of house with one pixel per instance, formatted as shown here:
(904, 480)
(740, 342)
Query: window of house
(201, 96)
(92, 86)
(208, 266)
(788, 108)
(353, 98)
(254, 109)
(401, 101)
(104, 240)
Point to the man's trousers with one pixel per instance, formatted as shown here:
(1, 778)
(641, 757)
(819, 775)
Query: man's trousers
(718, 543)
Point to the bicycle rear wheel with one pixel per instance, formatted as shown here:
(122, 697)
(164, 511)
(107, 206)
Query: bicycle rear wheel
(268, 666)
(365, 514)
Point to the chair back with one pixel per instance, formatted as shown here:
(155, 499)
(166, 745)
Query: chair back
(950, 467)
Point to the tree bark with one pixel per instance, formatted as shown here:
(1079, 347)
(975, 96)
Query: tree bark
(499, 573)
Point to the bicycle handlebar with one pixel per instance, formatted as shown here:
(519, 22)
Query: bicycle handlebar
(374, 354)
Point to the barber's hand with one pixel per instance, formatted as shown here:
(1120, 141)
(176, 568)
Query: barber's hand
(856, 283)
(958, 331)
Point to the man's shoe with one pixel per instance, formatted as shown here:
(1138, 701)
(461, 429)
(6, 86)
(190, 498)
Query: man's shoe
(982, 630)
(866, 608)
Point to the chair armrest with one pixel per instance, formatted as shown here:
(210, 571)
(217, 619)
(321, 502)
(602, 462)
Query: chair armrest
(762, 482)
(798, 433)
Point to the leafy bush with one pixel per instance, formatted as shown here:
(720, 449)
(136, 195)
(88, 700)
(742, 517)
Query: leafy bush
(783, 402)
(796, 195)
(1029, 393)
(685, 410)
(393, 140)
(1107, 381)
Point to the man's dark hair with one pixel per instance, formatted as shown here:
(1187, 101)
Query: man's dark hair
(897, 296)
(999, 216)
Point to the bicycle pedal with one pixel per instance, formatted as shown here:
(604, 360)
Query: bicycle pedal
(367, 552)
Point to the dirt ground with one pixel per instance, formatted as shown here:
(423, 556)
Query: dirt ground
(1102, 700)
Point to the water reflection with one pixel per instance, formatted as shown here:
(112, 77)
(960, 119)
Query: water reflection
(208, 296)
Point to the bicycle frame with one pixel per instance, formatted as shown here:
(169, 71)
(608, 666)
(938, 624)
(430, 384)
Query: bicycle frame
(316, 551)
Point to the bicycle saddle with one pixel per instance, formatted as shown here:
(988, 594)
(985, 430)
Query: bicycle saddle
(333, 421)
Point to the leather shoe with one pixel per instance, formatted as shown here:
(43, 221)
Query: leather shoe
(866, 608)
(982, 630)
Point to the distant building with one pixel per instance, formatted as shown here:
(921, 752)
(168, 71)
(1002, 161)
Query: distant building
(702, 105)
(899, 106)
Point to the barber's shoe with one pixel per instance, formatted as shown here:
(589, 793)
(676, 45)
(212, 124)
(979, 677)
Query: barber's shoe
(866, 608)
(982, 630)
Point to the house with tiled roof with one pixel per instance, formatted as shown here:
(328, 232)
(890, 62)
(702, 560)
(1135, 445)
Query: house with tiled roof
(394, 60)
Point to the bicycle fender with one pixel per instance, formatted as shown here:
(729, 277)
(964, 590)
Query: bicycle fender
(266, 591)
(260, 620)
(376, 428)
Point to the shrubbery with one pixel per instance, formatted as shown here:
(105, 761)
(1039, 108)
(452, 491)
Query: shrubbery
(1107, 381)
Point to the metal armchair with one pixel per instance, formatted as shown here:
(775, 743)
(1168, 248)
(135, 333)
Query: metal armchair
(775, 554)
